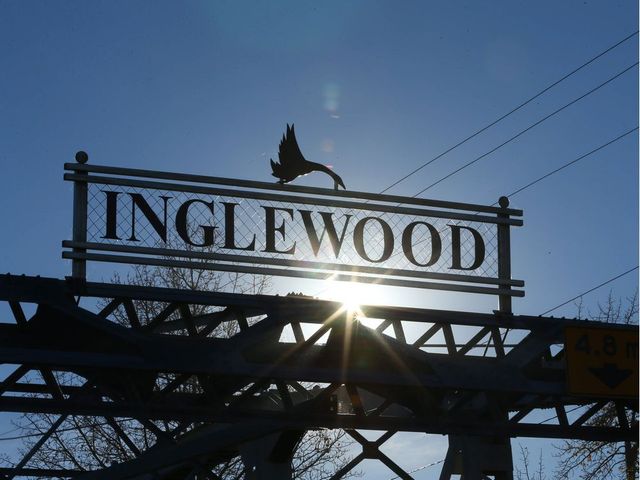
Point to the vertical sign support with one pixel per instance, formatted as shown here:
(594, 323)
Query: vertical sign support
(504, 257)
(80, 193)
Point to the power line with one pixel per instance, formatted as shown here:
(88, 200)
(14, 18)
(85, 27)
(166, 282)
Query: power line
(572, 299)
(547, 175)
(618, 138)
(571, 163)
(441, 461)
(511, 111)
(548, 311)
(590, 290)
(575, 298)
(9, 431)
(529, 128)
(421, 468)
(555, 112)
(571, 410)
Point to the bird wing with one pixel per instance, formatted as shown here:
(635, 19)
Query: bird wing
(275, 168)
(289, 152)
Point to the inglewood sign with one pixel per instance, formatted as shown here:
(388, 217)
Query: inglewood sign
(171, 219)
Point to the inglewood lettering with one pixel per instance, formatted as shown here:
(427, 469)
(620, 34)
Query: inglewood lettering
(421, 243)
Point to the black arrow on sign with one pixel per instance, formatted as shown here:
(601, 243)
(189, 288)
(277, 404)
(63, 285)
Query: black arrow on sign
(611, 375)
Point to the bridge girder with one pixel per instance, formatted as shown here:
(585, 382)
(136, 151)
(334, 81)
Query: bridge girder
(293, 364)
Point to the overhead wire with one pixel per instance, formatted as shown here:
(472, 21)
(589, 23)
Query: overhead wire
(504, 338)
(545, 176)
(526, 102)
(561, 305)
(548, 311)
(619, 137)
(581, 157)
(591, 290)
(533, 182)
(540, 178)
(571, 410)
(530, 127)
(421, 468)
(10, 431)
(442, 460)
(575, 298)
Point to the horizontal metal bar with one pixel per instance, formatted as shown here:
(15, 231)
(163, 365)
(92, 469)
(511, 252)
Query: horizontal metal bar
(461, 345)
(272, 197)
(212, 357)
(40, 472)
(281, 262)
(205, 319)
(40, 388)
(184, 177)
(129, 259)
(318, 420)
(52, 290)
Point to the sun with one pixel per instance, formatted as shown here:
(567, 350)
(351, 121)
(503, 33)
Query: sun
(351, 306)
(353, 310)
(347, 293)
(351, 295)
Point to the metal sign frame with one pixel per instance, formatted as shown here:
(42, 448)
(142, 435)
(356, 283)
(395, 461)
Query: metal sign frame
(455, 217)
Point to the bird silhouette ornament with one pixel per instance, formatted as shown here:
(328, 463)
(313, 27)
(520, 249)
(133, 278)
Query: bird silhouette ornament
(293, 164)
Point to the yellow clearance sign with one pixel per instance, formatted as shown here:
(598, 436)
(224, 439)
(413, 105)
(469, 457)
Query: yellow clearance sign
(602, 361)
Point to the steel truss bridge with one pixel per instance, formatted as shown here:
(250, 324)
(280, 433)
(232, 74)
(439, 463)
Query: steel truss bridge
(293, 365)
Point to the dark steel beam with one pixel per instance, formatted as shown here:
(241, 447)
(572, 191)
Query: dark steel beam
(245, 380)
(461, 424)
(40, 472)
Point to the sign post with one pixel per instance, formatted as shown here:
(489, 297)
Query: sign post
(504, 257)
(80, 189)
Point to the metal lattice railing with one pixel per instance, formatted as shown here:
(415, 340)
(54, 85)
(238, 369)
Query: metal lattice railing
(135, 229)
(290, 231)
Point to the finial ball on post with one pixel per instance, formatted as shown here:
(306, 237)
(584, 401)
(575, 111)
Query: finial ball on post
(504, 202)
(82, 157)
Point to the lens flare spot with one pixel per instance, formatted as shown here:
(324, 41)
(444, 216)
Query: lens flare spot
(327, 145)
(331, 93)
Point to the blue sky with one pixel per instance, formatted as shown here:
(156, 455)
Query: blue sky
(375, 88)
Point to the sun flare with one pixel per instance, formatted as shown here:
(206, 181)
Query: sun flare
(352, 296)
(351, 306)
(352, 309)
(349, 293)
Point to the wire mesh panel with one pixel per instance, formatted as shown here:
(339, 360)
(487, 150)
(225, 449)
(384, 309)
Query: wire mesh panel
(291, 231)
